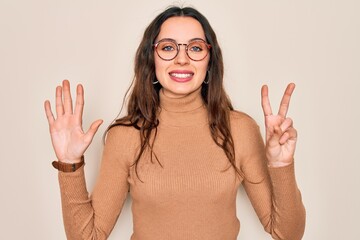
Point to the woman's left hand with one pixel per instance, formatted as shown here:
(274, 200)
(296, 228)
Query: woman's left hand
(280, 134)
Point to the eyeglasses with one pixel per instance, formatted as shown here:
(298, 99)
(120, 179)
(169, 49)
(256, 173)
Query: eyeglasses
(167, 49)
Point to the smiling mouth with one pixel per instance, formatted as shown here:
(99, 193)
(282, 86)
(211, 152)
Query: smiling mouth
(182, 75)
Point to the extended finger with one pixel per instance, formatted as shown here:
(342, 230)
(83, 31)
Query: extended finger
(67, 97)
(59, 102)
(79, 105)
(92, 130)
(285, 101)
(48, 112)
(265, 102)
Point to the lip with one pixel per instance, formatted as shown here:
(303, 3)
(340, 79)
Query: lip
(181, 79)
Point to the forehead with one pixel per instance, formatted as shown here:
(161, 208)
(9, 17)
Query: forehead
(181, 29)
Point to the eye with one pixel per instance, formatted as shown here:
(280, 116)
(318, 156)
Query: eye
(167, 46)
(196, 49)
(196, 46)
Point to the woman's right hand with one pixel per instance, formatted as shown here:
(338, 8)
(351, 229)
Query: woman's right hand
(67, 136)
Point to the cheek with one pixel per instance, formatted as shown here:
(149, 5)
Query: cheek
(161, 65)
(202, 68)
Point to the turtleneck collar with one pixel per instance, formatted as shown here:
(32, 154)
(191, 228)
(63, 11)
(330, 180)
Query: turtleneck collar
(184, 111)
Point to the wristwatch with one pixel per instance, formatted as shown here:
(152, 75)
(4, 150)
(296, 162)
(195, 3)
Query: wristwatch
(68, 167)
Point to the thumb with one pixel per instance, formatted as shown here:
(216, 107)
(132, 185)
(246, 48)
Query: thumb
(89, 135)
(274, 136)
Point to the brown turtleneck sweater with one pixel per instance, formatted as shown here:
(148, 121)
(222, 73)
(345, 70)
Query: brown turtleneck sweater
(192, 196)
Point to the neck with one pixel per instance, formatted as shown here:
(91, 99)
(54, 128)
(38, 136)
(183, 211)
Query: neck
(184, 111)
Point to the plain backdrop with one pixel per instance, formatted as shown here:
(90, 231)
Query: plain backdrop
(313, 43)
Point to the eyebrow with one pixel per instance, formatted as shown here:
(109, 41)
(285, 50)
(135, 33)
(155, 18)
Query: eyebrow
(193, 39)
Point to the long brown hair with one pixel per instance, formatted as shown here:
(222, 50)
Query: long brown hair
(143, 102)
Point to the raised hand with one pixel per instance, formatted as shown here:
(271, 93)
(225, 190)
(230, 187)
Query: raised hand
(67, 136)
(280, 134)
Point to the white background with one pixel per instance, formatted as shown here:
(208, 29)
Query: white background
(314, 43)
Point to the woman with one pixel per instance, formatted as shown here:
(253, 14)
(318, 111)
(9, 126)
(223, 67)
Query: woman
(181, 150)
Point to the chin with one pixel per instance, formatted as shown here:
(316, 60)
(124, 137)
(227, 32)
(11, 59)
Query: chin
(179, 92)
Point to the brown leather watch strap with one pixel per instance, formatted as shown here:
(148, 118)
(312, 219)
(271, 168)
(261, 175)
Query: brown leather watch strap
(68, 167)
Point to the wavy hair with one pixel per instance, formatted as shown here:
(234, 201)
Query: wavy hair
(143, 96)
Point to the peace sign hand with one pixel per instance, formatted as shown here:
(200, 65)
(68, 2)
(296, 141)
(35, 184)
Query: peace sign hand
(67, 136)
(280, 134)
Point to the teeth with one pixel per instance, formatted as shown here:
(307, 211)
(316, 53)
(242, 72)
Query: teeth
(181, 75)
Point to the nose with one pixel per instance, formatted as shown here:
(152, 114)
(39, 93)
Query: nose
(182, 57)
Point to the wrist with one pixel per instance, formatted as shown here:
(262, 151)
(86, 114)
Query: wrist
(278, 164)
(68, 166)
(71, 161)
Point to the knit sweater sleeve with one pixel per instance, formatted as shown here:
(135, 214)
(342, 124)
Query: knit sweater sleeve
(273, 192)
(93, 217)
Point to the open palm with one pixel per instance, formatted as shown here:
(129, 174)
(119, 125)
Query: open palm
(281, 136)
(67, 136)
